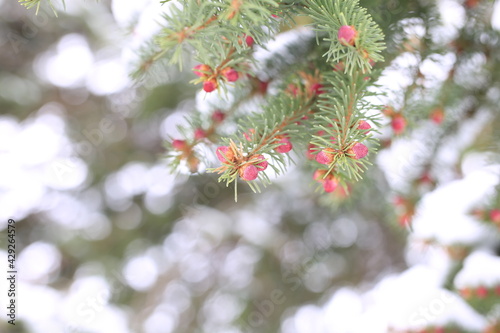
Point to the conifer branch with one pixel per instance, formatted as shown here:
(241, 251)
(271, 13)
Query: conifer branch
(258, 141)
(208, 25)
(330, 16)
(324, 107)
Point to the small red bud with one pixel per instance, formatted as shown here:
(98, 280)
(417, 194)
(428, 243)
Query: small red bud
(202, 70)
(199, 134)
(262, 86)
(179, 144)
(210, 85)
(330, 185)
(470, 4)
(437, 116)
(347, 35)
(317, 89)
(481, 292)
(426, 178)
(364, 125)
(249, 40)
(262, 165)
(230, 74)
(358, 150)
(224, 154)
(218, 116)
(325, 156)
(398, 124)
(495, 215)
(248, 172)
(320, 133)
(285, 147)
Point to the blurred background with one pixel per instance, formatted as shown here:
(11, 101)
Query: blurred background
(109, 239)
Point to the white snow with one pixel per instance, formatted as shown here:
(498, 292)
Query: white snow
(444, 214)
(480, 269)
(410, 300)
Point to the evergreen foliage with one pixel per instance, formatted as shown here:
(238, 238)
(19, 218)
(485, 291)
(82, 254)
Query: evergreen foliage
(323, 98)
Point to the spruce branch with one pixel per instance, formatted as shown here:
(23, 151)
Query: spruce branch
(223, 66)
(198, 26)
(322, 103)
(200, 130)
(330, 16)
(268, 134)
(342, 127)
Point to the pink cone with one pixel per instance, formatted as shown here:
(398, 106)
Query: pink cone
(359, 150)
(437, 116)
(249, 40)
(230, 74)
(285, 147)
(325, 156)
(262, 165)
(210, 85)
(179, 144)
(262, 86)
(200, 70)
(249, 172)
(224, 153)
(495, 215)
(199, 134)
(330, 185)
(398, 124)
(347, 35)
(363, 125)
(218, 116)
(317, 89)
(481, 292)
